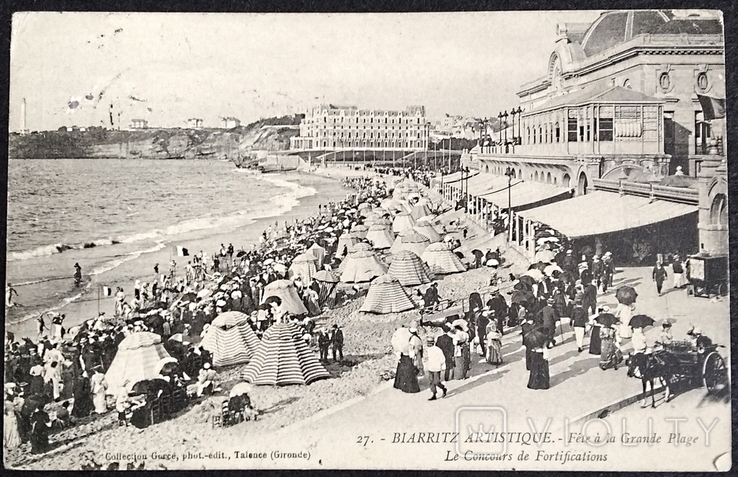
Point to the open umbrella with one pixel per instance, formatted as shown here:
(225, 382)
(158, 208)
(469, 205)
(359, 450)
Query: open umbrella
(177, 337)
(401, 340)
(162, 364)
(641, 321)
(544, 256)
(626, 295)
(273, 299)
(493, 263)
(241, 388)
(241, 253)
(191, 296)
(606, 319)
(539, 266)
(523, 297)
(528, 281)
(325, 276)
(204, 293)
(460, 322)
(550, 269)
(534, 339)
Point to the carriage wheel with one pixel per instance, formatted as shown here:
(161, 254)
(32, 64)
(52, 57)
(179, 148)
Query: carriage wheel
(722, 289)
(714, 373)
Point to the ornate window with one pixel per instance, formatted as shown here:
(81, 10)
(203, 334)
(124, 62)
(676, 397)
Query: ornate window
(702, 81)
(665, 80)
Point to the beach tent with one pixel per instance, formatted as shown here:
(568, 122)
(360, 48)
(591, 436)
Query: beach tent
(402, 222)
(441, 259)
(412, 241)
(285, 290)
(345, 242)
(319, 253)
(327, 281)
(420, 210)
(386, 295)
(360, 231)
(283, 358)
(380, 236)
(409, 269)
(426, 229)
(305, 265)
(362, 266)
(136, 359)
(230, 339)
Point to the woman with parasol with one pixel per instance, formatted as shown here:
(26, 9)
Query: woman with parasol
(626, 297)
(539, 377)
(595, 343)
(609, 355)
(406, 377)
(637, 323)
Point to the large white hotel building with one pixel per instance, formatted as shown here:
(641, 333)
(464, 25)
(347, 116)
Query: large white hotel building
(331, 127)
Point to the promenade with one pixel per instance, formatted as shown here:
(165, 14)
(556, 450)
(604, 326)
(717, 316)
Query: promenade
(365, 431)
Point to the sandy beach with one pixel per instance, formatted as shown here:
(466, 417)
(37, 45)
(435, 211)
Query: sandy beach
(369, 362)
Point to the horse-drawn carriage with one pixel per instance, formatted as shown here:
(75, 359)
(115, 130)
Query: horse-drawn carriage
(700, 366)
(707, 275)
(680, 363)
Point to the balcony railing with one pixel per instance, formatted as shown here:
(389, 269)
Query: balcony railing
(655, 192)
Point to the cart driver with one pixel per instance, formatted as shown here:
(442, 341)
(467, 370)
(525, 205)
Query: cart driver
(699, 341)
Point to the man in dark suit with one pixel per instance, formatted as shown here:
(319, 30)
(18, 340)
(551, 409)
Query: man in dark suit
(589, 297)
(337, 342)
(446, 343)
(549, 317)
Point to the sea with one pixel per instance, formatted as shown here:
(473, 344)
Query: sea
(117, 218)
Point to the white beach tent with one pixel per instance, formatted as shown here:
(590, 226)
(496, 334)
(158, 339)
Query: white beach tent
(386, 295)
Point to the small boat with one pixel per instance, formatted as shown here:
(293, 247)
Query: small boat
(271, 167)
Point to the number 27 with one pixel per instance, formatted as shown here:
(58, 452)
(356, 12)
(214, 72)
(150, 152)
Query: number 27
(364, 439)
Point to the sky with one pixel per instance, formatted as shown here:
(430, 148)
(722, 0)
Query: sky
(168, 67)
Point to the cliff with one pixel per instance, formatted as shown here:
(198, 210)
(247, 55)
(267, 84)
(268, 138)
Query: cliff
(272, 134)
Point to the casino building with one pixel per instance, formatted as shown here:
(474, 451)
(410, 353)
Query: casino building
(618, 112)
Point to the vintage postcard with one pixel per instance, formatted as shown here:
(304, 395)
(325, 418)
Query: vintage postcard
(456, 241)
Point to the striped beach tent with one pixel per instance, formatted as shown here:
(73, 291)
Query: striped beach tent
(360, 231)
(285, 290)
(345, 242)
(386, 295)
(380, 236)
(304, 265)
(409, 269)
(319, 253)
(362, 266)
(327, 281)
(402, 222)
(424, 228)
(230, 339)
(412, 241)
(441, 259)
(420, 210)
(283, 358)
(136, 359)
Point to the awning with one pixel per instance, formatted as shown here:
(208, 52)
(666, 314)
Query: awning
(525, 193)
(486, 183)
(605, 212)
(449, 178)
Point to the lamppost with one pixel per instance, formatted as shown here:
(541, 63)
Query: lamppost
(464, 195)
(504, 118)
(512, 115)
(520, 124)
(509, 173)
(499, 122)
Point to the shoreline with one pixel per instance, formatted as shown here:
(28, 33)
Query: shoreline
(84, 304)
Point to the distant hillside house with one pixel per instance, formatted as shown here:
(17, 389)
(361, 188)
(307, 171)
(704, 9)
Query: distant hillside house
(230, 122)
(194, 123)
(139, 124)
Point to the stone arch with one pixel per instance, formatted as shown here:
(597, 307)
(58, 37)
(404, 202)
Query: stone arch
(556, 180)
(536, 176)
(719, 210)
(566, 180)
(548, 178)
(486, 168)
(582, 184)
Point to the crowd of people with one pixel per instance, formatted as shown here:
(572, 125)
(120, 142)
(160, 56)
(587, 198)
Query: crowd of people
(65, 368)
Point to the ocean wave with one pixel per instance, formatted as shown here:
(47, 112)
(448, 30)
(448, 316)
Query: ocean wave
(281, 204)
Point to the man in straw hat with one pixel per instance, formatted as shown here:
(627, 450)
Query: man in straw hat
(435, 363)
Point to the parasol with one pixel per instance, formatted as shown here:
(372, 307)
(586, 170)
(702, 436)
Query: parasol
(534, 339)
(177, 337)
(401, 340)
(163, 363)
(240, 388)
(641, 321)
(540, 265)
(204, 293)
(191, 296)
(523, 297)
(492, 263)
(460, 322)
(606, 319)
(527, 281)
(550, 269)
(325, 276)
(273, 299)
(626, 295)
(241, 253)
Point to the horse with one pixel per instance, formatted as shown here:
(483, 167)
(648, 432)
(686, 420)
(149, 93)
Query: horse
(649, 367)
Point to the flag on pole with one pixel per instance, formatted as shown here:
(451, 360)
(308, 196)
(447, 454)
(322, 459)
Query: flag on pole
(107, 291)
(712, 108)
(182, 252)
